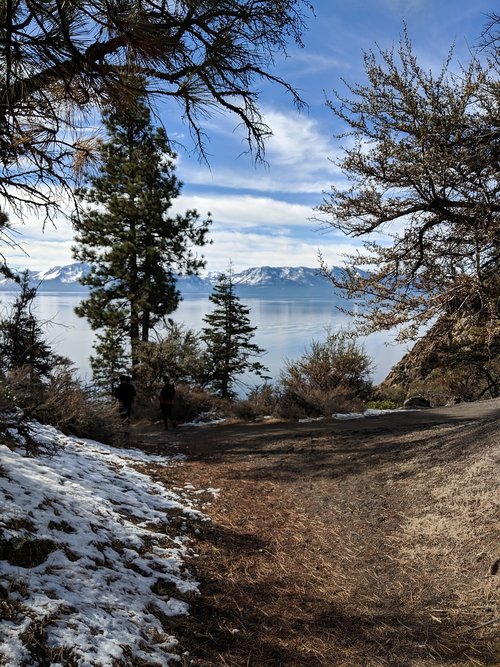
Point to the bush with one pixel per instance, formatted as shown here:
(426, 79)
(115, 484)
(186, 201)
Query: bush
(385, 404)
(303, 401)
(261, 402)
(178, 354)
(191, 402)
(63, 402)
(332, 376)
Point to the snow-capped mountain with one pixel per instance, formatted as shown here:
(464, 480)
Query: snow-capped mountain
(280, 277)
(71, 273)
(257, 281)
(57, 279)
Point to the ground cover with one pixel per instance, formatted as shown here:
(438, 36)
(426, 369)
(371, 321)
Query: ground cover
(344, 543)
(359, 543)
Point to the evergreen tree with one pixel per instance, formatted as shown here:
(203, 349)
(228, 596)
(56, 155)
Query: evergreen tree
(22, 341)
(228, 339)
(110, 360)
(124, 230)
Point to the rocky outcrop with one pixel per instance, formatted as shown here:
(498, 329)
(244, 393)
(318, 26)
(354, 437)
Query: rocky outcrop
(455, 361)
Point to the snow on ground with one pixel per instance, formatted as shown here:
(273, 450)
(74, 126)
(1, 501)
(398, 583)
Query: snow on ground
(89, 553)
(372, 412)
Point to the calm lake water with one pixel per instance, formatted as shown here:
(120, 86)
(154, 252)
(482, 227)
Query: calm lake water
(285, 328)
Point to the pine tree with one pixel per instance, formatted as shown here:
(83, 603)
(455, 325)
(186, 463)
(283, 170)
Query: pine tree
(110, 360)
(228, 339)
(124, 230)
(22, 341)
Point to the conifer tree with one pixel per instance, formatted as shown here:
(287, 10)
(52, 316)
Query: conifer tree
(110, 360)
(228, 336)
(22, 341)
(124, 229)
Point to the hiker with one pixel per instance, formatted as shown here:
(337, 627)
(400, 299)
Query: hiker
(125, 394)
(167, 394)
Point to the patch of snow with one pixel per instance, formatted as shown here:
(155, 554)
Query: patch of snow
(102, 587)
(348, 415)
(371, 412)
(206, 418)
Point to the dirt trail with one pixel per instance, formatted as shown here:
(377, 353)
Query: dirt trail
(360, 543)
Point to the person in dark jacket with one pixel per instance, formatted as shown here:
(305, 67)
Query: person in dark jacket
(167, 395)
(125, 394)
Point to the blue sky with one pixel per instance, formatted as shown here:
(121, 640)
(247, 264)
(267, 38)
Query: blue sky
(262, 213)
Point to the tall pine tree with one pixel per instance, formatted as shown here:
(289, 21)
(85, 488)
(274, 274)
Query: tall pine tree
(124, 229)
(228, 339)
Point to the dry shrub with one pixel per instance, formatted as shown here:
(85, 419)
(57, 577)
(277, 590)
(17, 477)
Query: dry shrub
(193, 402)
(331, 376)
(261, 402)
(190, 403)
(393, 394)
(445, 385)
(244, 410)
(305, 401)
(63, 402)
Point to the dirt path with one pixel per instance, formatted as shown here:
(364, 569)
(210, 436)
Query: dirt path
(346, 543)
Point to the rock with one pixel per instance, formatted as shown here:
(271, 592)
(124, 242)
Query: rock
(417, 402)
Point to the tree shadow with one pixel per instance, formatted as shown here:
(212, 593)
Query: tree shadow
(346, 449)
(279, 621)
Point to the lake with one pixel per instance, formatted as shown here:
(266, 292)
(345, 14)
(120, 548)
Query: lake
(285, 328)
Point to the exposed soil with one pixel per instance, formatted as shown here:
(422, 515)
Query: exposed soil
(345, 543)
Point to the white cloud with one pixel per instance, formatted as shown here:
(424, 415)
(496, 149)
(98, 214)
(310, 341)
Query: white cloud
(245, 250)
(260, 178)
(246, 211)
(249, 230)
(298, 159)
(40, 254)
(298, 141)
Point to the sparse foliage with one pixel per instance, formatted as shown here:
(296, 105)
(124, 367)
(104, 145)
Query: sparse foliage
(178, 354)
(330, 375)
(422, 163)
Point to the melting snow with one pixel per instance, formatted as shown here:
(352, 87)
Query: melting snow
(100, 587)
(372, 412)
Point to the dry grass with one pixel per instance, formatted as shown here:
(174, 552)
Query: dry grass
(348, 550)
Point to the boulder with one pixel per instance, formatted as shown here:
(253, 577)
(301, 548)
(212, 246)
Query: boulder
(417, 402)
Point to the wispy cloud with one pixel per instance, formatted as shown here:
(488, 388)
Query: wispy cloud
(299, 160)
(245, 211)
(246, 249)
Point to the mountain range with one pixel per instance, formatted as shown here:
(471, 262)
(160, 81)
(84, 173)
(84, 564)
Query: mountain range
(255, 281)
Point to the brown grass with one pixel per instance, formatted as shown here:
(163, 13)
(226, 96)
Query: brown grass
(348, 550)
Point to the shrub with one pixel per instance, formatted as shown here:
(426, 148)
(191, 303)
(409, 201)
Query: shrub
(191, 402)
(178, 354)
(384, 404)
(63, 402)
(261, 402)
(332, 376)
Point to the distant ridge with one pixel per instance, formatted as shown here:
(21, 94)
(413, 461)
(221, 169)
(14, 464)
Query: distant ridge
(255, 281)
(57, 279)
